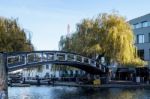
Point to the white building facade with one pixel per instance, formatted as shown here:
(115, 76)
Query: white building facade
(45, 71)
(42, 71)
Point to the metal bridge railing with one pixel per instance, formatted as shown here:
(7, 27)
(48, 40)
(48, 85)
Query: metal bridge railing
(20, 59)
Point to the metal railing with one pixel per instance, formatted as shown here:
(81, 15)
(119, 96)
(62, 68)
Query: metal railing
(19, 59)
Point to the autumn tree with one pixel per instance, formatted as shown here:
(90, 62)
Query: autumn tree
(108, 35)
(13, 37)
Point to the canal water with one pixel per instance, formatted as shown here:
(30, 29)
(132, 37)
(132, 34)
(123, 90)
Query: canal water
(62, 92)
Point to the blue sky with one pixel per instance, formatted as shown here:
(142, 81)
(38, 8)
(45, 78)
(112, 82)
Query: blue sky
(48, 19)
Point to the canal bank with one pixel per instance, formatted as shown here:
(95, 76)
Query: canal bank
(106, 86)
(112, 84)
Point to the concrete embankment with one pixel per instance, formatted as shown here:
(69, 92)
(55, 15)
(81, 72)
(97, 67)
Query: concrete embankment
(117, 84)
(19, 85)
(103, 85)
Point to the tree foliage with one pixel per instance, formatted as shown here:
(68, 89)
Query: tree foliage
(12, 36)
(109, 35)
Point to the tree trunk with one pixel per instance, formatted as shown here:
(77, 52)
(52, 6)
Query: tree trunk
(3, 77)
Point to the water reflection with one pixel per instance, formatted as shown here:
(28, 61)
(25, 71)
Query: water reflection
(49, 92)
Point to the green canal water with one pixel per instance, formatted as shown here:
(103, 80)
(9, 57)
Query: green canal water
(61, 92)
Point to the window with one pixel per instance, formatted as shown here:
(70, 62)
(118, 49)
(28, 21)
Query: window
(138, 25)
(145, 24)
(141, 54)
(148, 23)
(47, 66)
(140, 38)
(149, 54)
(149, 37)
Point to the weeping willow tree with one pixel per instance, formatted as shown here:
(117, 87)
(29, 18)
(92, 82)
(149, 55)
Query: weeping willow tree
(109, 35)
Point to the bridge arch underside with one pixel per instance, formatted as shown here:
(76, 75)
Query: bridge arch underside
(84, 67)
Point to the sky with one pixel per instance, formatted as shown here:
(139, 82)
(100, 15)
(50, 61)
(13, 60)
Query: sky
(47, 20)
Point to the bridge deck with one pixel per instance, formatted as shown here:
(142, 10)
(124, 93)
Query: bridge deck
(20, 60)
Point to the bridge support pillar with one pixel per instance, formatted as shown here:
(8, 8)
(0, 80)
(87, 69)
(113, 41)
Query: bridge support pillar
(89, 61)
(3, 77)
(66, 57)
(75, 58)
(55, 56)
(82, 60)
(100, 66)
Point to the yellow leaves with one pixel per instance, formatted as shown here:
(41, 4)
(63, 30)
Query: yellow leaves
(137, 62)
(109, 34)
(95, 48)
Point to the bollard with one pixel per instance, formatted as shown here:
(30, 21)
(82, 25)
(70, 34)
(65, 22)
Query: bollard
(3, 77)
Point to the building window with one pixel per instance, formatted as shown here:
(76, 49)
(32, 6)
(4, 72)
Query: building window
(141, 54)
(138, 25)
(140, 38)
(149, 37)
(47, 66)
(145, 24)
(149, 54)
(148, 23)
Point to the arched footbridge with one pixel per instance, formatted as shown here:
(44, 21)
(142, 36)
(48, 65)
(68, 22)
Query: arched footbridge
(20, 60)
